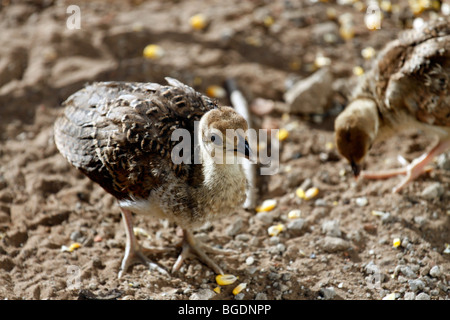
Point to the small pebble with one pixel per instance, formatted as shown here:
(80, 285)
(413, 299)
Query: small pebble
(361, 202)
(331, 228)
(328, 293)
(416, 285)
(433, 191)
(249, 261)
(409, 295)
(423, 296)
(296, 224)
(435, 272)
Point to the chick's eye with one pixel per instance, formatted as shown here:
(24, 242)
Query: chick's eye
(215, 139)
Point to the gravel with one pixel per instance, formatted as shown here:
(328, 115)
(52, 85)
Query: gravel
(435, 272)
(333, 244)
(328, 293)
(423, 296)
(433, 191)
(331, 228)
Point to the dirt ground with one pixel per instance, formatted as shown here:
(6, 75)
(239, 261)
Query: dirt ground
(341, 246)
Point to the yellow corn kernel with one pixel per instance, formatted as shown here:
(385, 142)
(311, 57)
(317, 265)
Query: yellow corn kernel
(311, 193)
(322, 61)
(396, 243)
(153, 51)
(300, 193)
(239, 288)
(329, 146)
(368, 53)
(358, 71)
(282, 134)
(216, 92)
(294, 214)
(267, 205)
(390, 296)
(275, 230)
(386, 5)
(295, 65)
(225, 279)
(331, 13)
(216, 290)
(347, 31)
(198, 21)
(140, 232)
(268, 21)
(71, 248)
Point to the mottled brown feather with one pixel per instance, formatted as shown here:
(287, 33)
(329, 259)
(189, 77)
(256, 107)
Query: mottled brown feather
(119, 134)
(412, 75)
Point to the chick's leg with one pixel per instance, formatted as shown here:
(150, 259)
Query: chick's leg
(412, 170)
(133, 252)
(191, 246)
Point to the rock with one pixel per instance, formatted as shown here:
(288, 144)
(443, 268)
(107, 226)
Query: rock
(249, 261)
(406, 271)
(328, 293)
(435, 272)
(433, 191)
(261, 296)
(443, 161)
(333, 244)
(296, 225)
(416, 285)
(311, 95)
(202, 294)
(423, 296)
(361, 202)
(235, 227)
(409, 295)
(331, 228)
(264, 217)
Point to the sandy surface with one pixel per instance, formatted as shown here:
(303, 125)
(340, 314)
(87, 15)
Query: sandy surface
(337, 249)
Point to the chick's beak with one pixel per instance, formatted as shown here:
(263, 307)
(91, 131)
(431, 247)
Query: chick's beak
(356, 168)
(244, 148)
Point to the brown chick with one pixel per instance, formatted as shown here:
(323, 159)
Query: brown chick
(121, 135)
(407, 87)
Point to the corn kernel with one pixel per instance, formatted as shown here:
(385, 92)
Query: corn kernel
(331, 13)
(216, 92)
(311, 193)
(239, 288)
(198, 21)
(275, 230)
(267, 205)
(322, 61)
(396, 243)
(282, 134)
(294, 214)
(140, 232)
(329, 146)
(153, 51)
(373, 21)
(358, 71)
(71, 248)
(386, 5)
(300, 193)
(368, 53)
(347, 31)
(268, 21)
(216, 290)
(390, 296)
(295, 65)
(225, 279)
